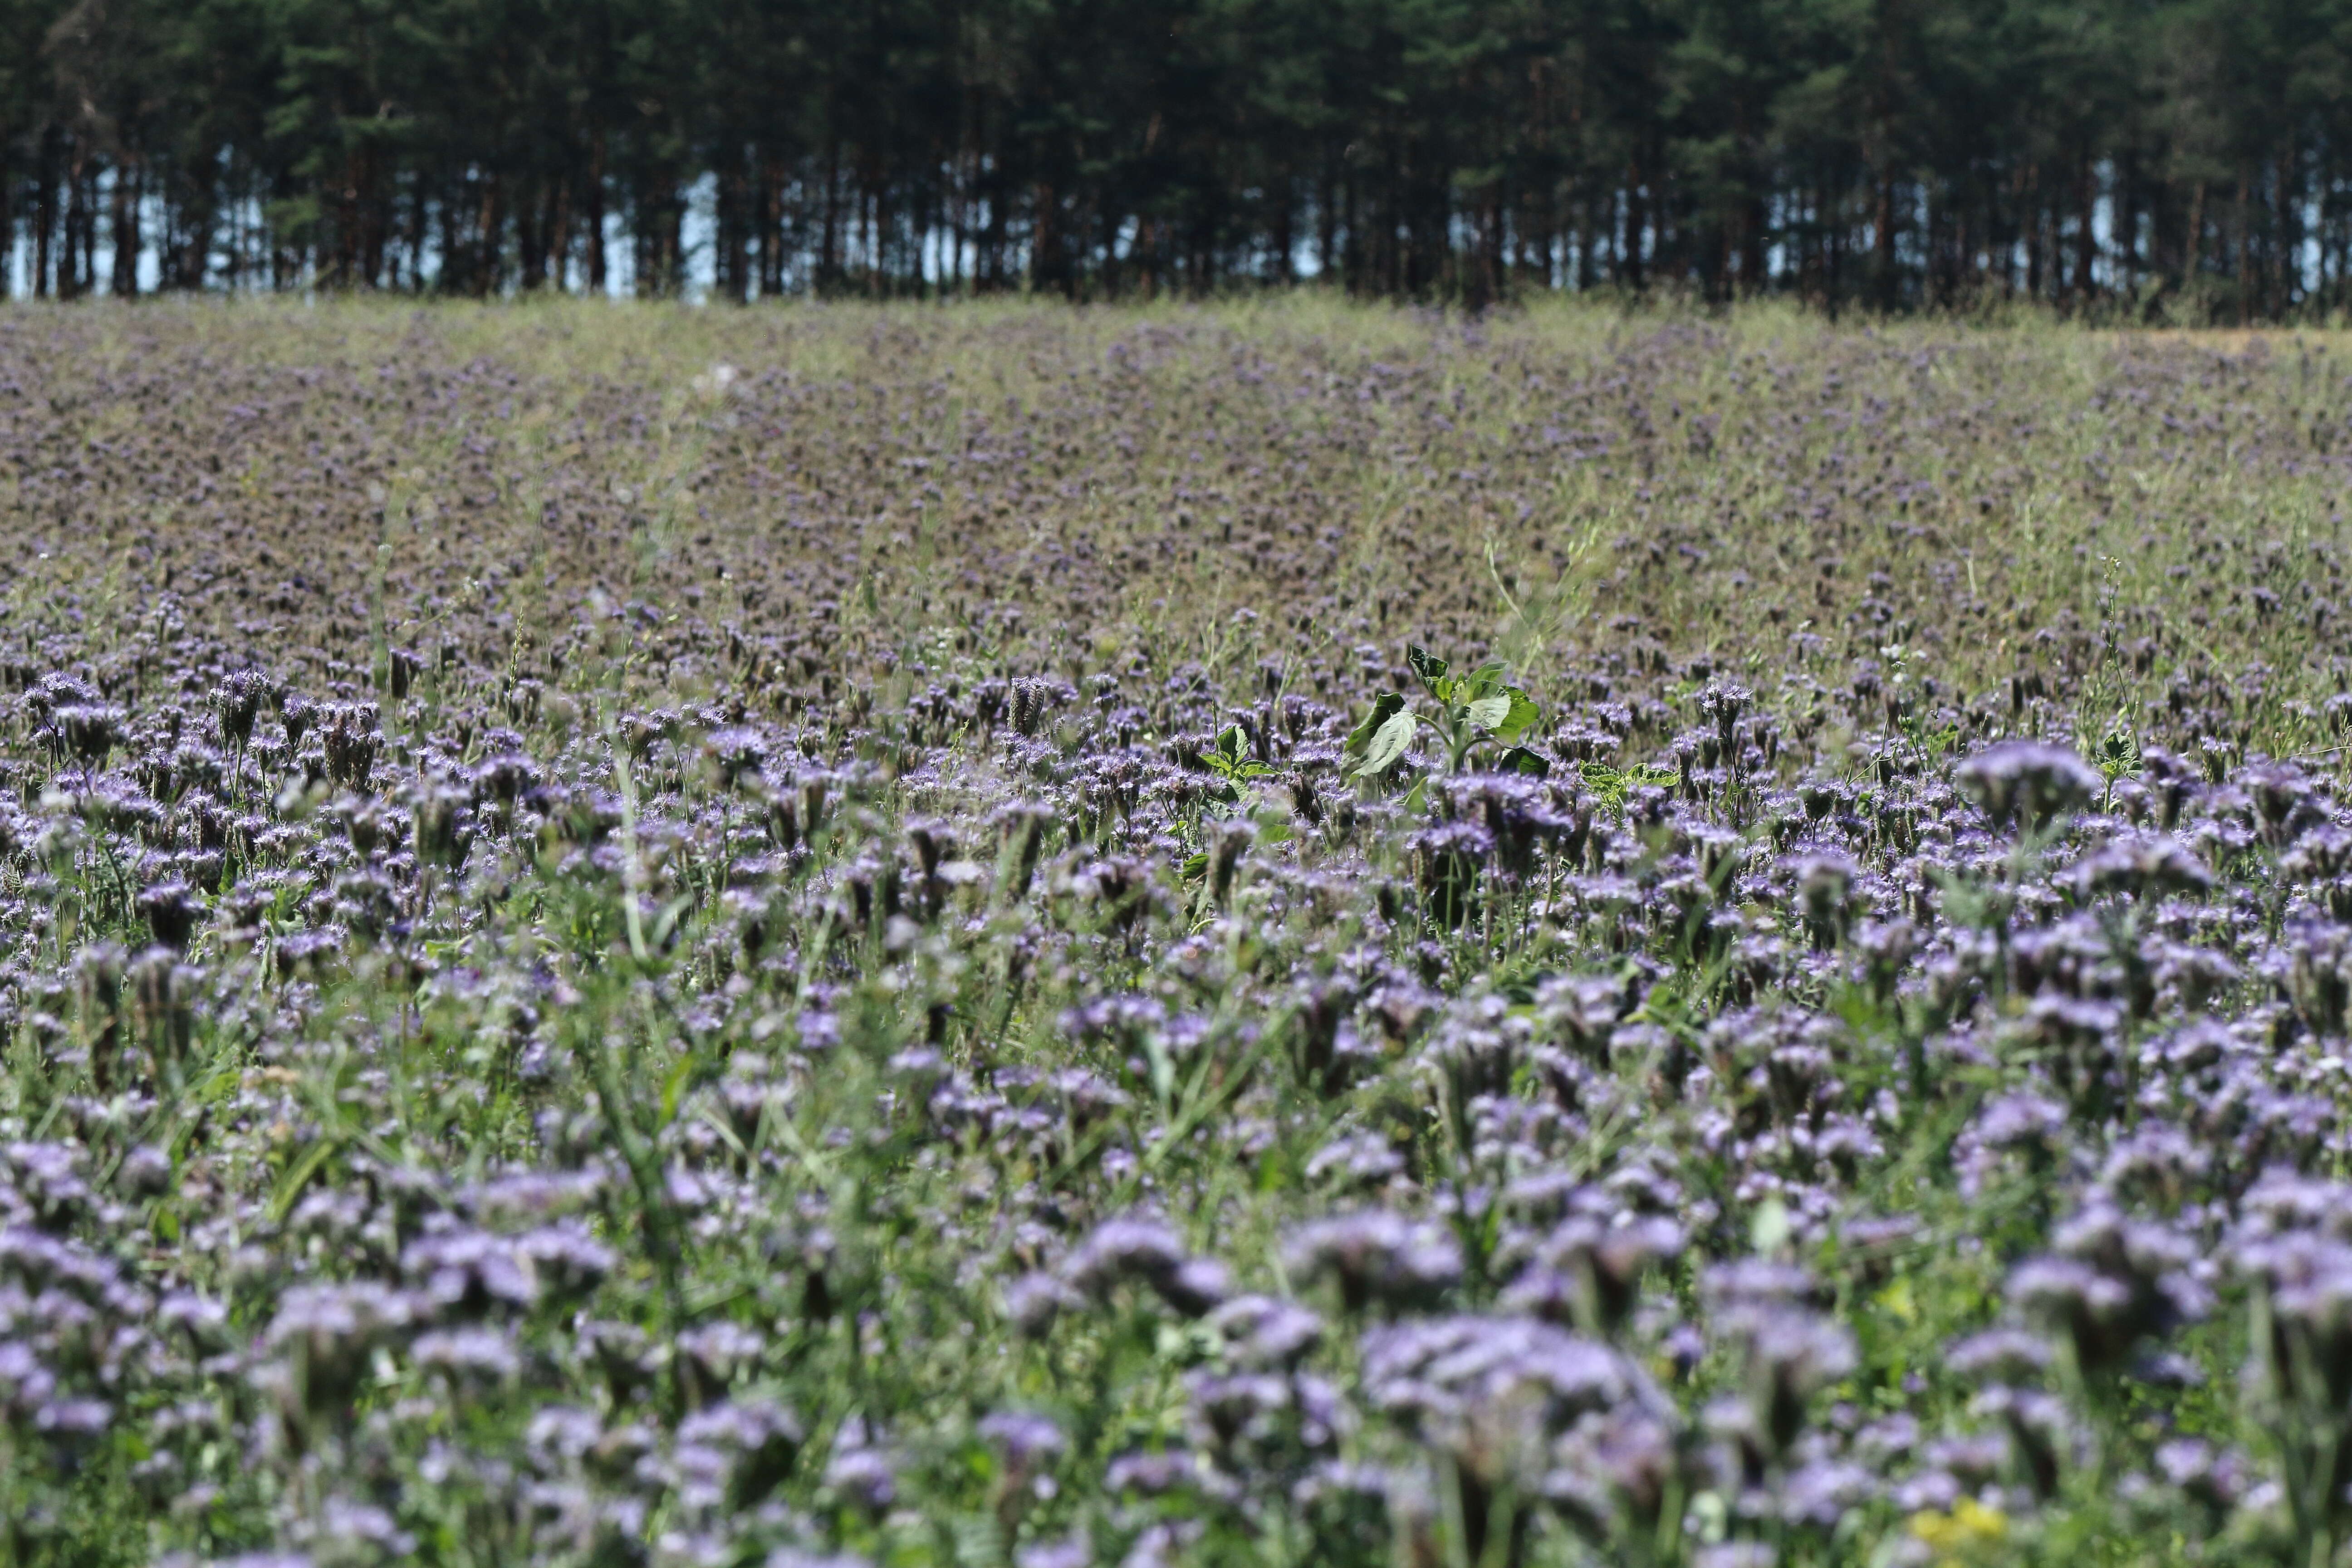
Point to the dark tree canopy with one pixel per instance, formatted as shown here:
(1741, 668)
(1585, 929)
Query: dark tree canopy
(2186, 159)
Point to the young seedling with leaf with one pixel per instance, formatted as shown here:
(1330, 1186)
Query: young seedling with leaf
(1469, 711)
(1229, 758)
(2117, 756)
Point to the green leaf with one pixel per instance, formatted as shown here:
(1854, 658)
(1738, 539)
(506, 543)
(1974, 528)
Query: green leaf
(1428, 666)
(1385, 707)
(1488, 678)
(289, 1186)
(2118, 754)
(1523, 712)
(1488, 712)
(1224, 757)
(1417, 797)
(1387, 743)
(1612, 786)
(1520, 760)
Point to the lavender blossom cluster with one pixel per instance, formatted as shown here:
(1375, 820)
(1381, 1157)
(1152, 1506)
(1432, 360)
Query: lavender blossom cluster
(768, 968)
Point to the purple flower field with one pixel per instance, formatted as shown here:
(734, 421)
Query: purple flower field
(1266, 934)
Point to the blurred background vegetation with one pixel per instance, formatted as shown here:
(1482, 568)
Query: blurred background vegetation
(2185, 162)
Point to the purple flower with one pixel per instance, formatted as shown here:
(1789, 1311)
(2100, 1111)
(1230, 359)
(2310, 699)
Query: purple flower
(1025, 1438)
(863, 1475)
(1262, 1332)
(1152, 1473)
(2026, 782)
(1378, 1257)
(1146, 1251)
(1034, 1300)
(1998, 1356)
(1070, 1552)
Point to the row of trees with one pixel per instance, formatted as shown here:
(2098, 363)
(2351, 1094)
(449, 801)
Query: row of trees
(2192, 154)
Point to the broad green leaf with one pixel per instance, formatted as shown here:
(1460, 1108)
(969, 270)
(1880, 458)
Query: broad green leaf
(1417, 797)
(1489, 712)
(1385, 707)
(1523, 712)
(1230, 741)
(1426, 665)
(1387, 743)
(1520, 760)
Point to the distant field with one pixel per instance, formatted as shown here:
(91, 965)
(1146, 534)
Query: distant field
(1277, 933)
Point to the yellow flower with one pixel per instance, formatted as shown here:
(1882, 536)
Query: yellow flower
(1961, 1535)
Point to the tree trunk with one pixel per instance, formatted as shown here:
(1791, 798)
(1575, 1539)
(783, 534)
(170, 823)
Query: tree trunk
(490, 224)
(2193, 246)
(1883, 242)
(2124, 268)
(958, 221)
(2032, 211)
(2286, 236)
(2086, 241)
(124, 224)
(559, 232)
(191, 233)
(2245, 248)
(1753, 223)
(1351, 247)
(1958, 281)
(1045, 240)
(1284, 212)
(377, 199)
(829, 255)
(1586, 274)
(72, 267)
(1629, 254)
(771, 218)
(419, 222)
(1833, 255)
(595, 214)
(1327, 220)
(734, 233)
(344, 267)
(530, 239)
(454, 258)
